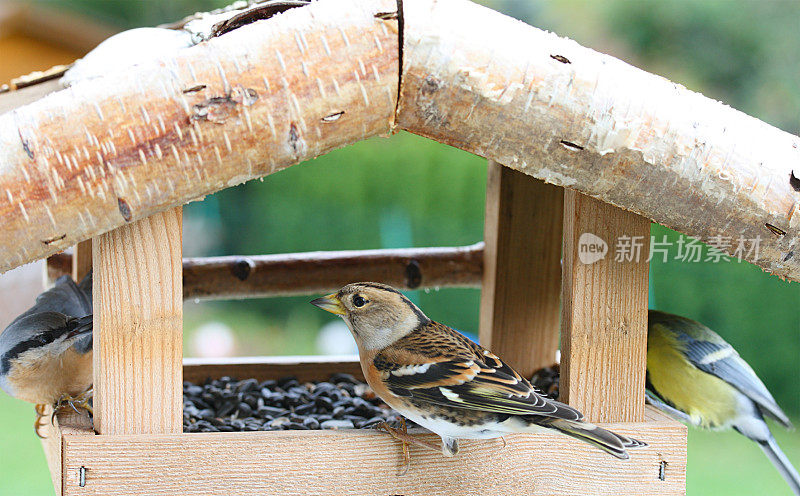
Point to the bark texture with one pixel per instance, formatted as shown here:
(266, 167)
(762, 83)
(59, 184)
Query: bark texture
(111, 150)
(555, 110)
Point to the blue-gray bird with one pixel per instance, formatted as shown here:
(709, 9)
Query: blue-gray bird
(696, 377)
(46, 353)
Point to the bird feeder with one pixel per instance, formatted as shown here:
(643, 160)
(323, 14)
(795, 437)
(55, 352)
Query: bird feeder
(578, 142)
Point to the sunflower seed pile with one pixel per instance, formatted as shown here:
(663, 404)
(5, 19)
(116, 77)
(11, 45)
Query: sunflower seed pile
(228, 405)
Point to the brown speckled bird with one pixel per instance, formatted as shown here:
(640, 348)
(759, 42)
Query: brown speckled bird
(444, 382)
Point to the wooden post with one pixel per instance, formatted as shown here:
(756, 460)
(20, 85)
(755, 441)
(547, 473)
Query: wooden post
(522, 269)
(604, 311)
(138, 309)
(77, 264)
(82, 260)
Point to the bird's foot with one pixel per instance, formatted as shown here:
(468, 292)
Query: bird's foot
(38, 423)
(405, 439)
(66, 402)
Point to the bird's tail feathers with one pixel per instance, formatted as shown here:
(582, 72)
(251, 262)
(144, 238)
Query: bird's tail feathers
(782, 463)
(610, 442)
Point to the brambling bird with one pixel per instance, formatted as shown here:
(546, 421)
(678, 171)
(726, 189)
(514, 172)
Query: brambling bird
(46, 353)
(444, 382)
(698, 378)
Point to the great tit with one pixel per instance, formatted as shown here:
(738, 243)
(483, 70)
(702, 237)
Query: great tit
(698, 378)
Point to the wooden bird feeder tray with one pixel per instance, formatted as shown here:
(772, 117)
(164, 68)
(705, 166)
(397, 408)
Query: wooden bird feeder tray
(587, 144)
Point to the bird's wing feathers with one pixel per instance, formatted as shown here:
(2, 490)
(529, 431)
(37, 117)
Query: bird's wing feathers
(707, 351)
(458, 373)
(65, 297)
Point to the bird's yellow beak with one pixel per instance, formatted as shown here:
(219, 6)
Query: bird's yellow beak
(330, 304)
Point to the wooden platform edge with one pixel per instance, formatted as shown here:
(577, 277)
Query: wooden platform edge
(267, 462)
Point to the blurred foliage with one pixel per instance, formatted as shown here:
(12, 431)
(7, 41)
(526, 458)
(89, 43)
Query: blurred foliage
(407, 191)
(127, 14)
(733, 51)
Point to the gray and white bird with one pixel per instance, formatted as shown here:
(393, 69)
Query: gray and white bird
(46, 353)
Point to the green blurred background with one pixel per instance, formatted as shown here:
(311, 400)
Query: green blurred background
(407, 191)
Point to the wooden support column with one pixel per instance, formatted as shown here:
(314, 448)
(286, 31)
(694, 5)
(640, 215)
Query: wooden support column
(82, 260)
(522, 269)
(604, 311)
(77, 264)
(138, 309)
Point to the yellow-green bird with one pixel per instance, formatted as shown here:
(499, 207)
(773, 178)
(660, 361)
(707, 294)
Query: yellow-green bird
(698, 378)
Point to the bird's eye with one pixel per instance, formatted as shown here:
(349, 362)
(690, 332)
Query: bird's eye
(359, 301)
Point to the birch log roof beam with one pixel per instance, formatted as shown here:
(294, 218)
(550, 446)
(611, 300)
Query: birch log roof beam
(110, 150)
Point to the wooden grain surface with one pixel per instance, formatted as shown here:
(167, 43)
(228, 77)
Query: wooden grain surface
(138, 327)
(521, 287)
(367, 462)
(51, 444)
(604, 312)
(115, 149)
(67, 422)
(574, 117)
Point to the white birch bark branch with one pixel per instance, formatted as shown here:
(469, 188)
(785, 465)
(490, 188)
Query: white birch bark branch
(546, 106)
(110, 150)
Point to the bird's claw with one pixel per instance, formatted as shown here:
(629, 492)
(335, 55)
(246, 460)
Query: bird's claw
(399, 434)
(74, 402)
(38, 424)
(407, 439)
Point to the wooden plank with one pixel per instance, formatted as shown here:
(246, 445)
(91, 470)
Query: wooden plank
(138, 312)
(322, 462)
(51, 444)
(54, 267)
(284, 274)
(604, 319)
(170, 130)
(57, 265)
(68, 422)
(305, 368)
(82, 260)
(62, 264)
(521, 287)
